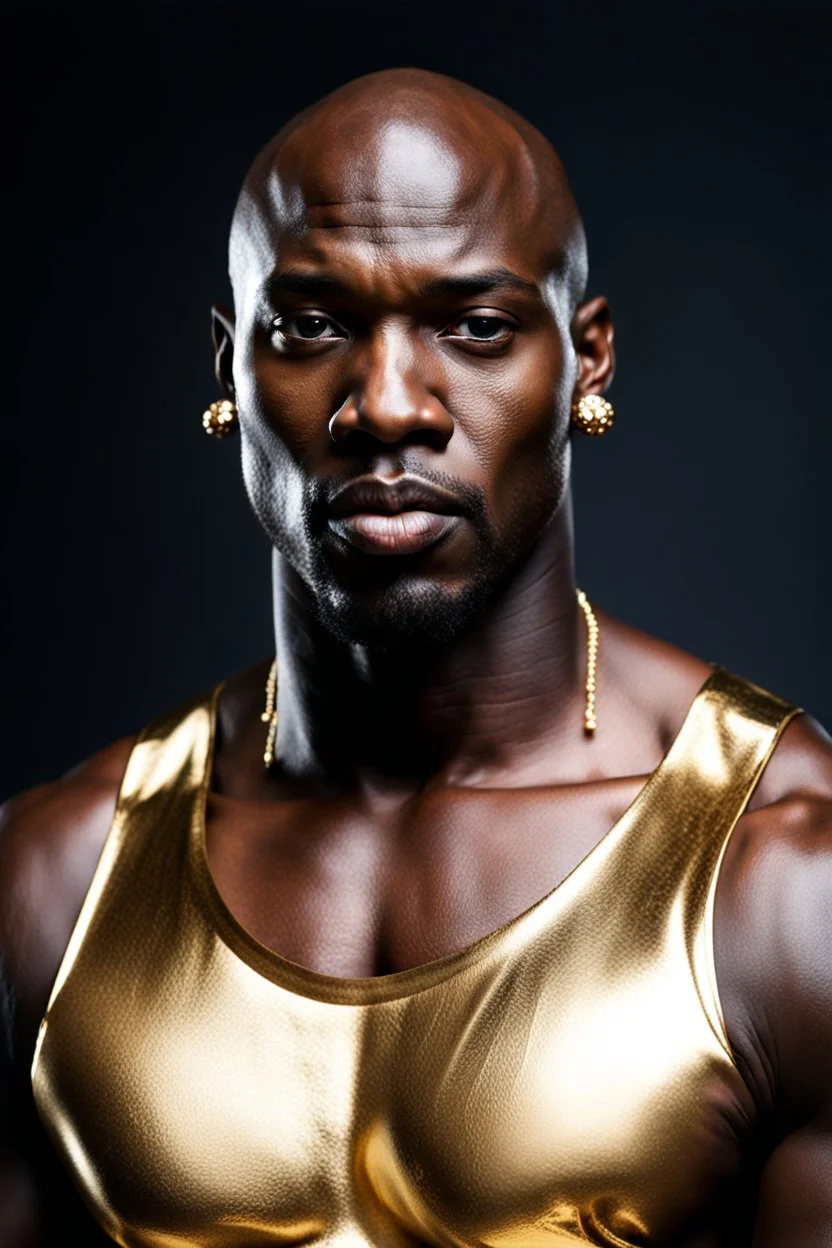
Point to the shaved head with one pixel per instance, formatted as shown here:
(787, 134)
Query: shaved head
(404, 148)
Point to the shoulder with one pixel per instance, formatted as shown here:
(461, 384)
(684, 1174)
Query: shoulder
(773, 922)
(51, 838)
(801, 765)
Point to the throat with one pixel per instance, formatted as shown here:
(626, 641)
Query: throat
(481, 709)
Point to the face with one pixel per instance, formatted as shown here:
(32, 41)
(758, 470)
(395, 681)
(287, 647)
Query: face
(404, 367)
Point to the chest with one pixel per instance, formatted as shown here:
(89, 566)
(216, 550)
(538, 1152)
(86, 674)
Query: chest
(558, 1083)
(351, 888)
(565, 1079)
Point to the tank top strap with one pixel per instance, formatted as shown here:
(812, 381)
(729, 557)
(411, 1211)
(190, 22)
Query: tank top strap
(675, 834)
(170, 765)
(161, 793)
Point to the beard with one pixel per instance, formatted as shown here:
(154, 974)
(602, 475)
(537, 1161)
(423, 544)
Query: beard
(408, 612)
(392, 605)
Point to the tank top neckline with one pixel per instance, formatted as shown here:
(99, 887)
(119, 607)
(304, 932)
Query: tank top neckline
(366, 990)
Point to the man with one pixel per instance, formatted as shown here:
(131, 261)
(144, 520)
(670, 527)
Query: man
(410, 339)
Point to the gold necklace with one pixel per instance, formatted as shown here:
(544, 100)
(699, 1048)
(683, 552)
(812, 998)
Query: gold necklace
(593, 632)
(269, 715)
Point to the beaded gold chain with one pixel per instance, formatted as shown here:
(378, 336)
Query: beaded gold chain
(593, 633)
(269, 715)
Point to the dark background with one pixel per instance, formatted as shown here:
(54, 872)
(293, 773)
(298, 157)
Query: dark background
(697, 138)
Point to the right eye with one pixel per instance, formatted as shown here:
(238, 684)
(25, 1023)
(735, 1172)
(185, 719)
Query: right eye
(306, 327)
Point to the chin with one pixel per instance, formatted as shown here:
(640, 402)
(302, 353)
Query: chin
(405, 615)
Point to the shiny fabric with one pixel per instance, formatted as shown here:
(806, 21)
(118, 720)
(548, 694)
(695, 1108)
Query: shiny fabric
(563, 1080)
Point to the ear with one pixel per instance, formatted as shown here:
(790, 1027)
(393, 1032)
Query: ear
(592, 335)
(222, 334)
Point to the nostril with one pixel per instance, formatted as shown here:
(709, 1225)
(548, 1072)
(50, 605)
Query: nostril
(429, 435)
(359, 419)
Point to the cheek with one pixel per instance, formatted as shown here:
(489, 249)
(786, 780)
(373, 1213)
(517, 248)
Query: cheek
(284, 428)
(293, 403)
(274, 485)
(517, 422)
(273, 478)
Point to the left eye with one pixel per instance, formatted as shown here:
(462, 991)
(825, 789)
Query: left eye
(308, 328)
(481, 328)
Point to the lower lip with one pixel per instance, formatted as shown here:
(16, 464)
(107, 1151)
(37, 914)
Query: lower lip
(405, 533)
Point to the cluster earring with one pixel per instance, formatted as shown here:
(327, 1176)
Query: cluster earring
(593, 415)
(220, 418)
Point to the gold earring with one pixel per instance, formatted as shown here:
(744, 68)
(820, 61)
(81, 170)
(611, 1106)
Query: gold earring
(221, 418)
(593, 415)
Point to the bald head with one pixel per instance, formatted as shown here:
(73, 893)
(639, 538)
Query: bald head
(404, 153)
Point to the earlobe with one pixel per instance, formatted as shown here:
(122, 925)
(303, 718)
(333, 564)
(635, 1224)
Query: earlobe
(222, 334)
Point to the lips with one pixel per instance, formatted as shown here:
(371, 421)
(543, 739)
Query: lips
(399, 517)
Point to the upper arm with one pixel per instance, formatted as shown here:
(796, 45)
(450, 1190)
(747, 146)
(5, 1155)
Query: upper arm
(775, 957)
(795, 1205)
(50, 841)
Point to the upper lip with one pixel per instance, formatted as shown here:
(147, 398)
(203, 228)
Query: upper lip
(375, 494)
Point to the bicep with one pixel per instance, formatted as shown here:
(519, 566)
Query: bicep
(50, 841)
(776, 934)
(795, 1204)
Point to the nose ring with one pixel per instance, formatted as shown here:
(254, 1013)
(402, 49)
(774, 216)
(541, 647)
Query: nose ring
(332, 419)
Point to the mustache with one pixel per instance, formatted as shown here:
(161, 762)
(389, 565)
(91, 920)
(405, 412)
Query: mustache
(469, 497)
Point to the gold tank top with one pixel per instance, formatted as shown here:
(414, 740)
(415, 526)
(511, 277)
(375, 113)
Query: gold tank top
(562, 1080)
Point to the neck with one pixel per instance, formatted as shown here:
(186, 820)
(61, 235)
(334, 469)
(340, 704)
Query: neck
(468, 711)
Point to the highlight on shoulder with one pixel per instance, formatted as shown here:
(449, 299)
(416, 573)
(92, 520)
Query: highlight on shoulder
(51, 837)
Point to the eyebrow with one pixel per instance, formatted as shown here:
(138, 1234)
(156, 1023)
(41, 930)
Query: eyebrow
(301, 282)
(480, 284)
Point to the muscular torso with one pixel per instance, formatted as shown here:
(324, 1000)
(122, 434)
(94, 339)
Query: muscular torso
(386, 876)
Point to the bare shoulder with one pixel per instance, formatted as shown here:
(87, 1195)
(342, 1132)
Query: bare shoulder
(655, 681)
(785, 838)
(659, 680)
(801, 765)
(773, 923)
(51, 838)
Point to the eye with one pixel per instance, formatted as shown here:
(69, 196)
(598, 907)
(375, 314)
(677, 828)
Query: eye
(306, 327)
(475, 328)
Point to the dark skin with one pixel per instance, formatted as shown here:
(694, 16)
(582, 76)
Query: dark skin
(408, 270)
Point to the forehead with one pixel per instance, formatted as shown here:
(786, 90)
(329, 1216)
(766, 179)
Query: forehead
(381, 204)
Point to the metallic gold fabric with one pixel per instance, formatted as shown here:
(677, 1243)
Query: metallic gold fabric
(564, 1079)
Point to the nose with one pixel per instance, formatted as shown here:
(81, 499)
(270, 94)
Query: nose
(392, 399)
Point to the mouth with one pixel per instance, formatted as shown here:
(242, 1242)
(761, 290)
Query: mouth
(399, 517)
